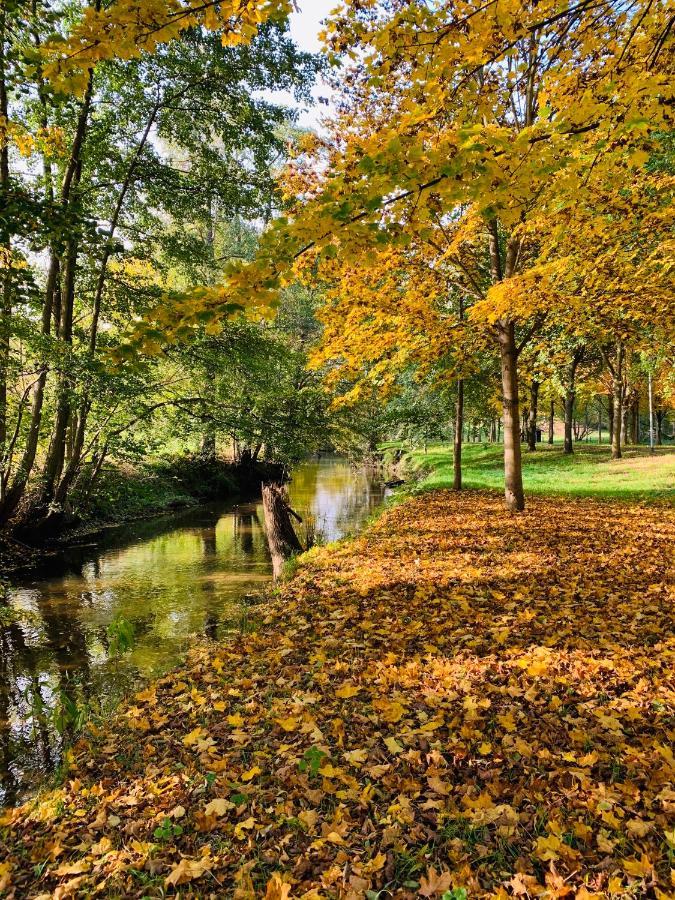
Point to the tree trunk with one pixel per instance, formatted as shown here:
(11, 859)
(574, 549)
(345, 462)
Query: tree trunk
(617, 403)
(457, 448)
(599, 422)
(651, 413)
(569, 421)
(513, 472)
(635, 420)
(532, 418)
(551, 422)
(208, 447)
(16, 491)
(660, 415)
(281, 537)
(61, 491)
(570, 398)
(57, 447)
(610, 418)
(71, 181)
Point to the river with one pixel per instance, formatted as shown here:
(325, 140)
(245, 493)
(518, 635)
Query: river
(66, 649)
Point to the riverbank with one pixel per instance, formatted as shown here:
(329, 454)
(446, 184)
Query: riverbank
(457, 699)
(126, 493)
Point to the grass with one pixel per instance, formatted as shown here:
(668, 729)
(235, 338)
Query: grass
(588, 472)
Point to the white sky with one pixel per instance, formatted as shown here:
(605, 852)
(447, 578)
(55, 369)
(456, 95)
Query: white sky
(305, 28)
(306, 24)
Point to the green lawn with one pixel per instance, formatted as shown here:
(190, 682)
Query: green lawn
(589, 472)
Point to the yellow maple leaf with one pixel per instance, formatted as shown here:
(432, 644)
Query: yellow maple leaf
(507, 721)
(277, 888)
(547, 848)
(391, 710)
(393, 745)
(356, 757)
(241, 827)
(5, 875)
(218, 807)
(188, 870)
(639, 868)
(288, 724)
(346, 691)
(195, 735)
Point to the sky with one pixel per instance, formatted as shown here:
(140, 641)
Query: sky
(305, 28)
(306, 24)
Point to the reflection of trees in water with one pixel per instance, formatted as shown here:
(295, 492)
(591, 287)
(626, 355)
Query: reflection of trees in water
(21, 689)
(209, 541)
(337, 495)
(36, 680)
(246, 522)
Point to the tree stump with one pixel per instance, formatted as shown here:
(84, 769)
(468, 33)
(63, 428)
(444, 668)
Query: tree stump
(281, 537)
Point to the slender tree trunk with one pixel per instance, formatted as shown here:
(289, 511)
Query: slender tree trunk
(459, 427)
(71, 471)
(506, 335)
(20, 480)
(532, 418)
(551, 422)
(599, 422)
(459, 423)
(56, 455)
(70, 181)
(617, 402)
(651, 413)
(57, 449)
(635, 419)
(569, 417)
(570, 398)
(610, 418)
(513, 473)
(659, 427)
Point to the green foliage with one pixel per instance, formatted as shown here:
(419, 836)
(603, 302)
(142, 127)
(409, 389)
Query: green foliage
(120, 635)
(68, 714)
(175, 164)
(167, 830)
(311, 761)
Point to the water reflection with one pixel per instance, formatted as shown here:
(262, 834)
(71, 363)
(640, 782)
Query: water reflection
(172, 579)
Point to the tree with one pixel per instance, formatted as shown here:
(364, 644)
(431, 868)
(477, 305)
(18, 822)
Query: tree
(148, 148)
(502, 111)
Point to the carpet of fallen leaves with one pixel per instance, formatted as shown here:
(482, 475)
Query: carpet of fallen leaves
(459, 703)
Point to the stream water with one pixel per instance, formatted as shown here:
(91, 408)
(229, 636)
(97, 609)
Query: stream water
(63, 630)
